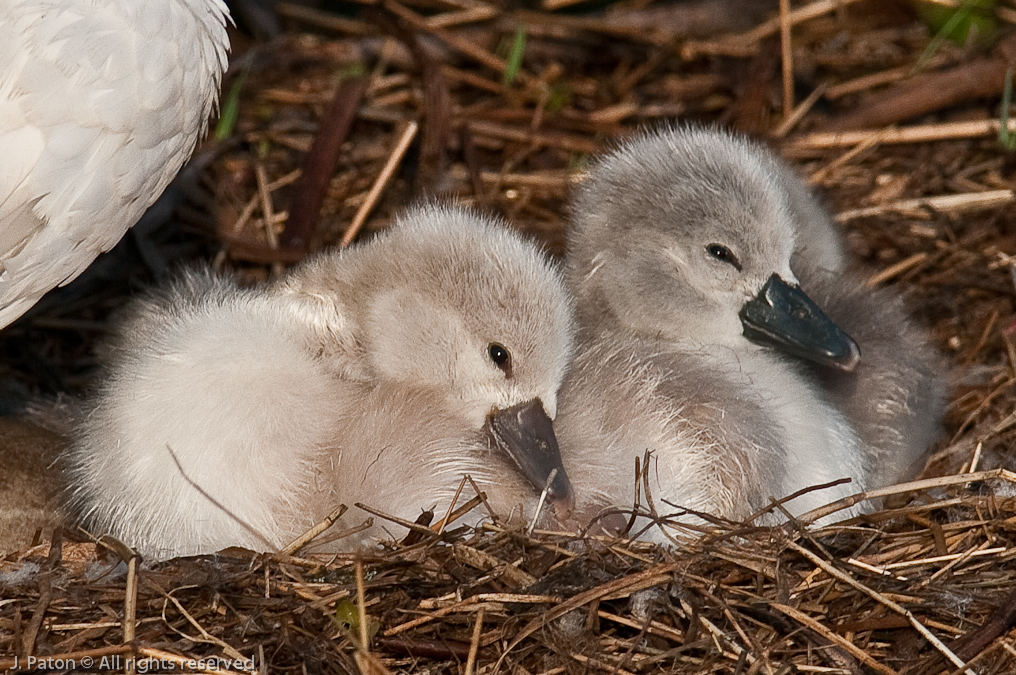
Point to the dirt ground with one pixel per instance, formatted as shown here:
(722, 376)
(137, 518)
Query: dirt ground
(896, 126)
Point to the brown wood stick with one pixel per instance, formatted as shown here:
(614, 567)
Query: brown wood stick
(999, 623)
(45, 594)
(581, 599)
(319, 165)
(748, 114)
(424, 648)
(437, 102)
(786, 57)
(925, 133)
(928, 92)
(380, 183)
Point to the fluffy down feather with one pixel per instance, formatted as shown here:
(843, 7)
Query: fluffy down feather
(241, 417)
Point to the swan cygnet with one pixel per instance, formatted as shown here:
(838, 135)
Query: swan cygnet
(31, 486)
(688, 253)
(381, 374)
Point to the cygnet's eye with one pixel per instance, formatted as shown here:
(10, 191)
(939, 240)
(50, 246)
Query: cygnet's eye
(501, 358)
(723, 254)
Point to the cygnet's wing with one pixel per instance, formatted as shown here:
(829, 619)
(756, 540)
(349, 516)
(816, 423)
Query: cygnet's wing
(31, 483)
(896, 397)
(205, 425)
(713, 447)
(101, 103)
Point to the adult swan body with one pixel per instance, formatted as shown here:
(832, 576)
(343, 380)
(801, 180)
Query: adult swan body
(101, 103)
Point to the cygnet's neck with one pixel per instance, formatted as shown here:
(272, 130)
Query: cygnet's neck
(820, 444)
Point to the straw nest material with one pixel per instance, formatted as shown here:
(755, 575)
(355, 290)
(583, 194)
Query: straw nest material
(343, 119)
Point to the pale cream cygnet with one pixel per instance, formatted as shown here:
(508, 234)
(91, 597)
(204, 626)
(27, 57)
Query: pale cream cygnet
(382, 374)
(689, 256)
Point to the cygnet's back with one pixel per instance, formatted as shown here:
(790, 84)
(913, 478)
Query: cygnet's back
(380, 375)
(689, 256)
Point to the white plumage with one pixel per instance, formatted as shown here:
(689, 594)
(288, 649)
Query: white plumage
(101, 103)
(380, 375)
(696, 342)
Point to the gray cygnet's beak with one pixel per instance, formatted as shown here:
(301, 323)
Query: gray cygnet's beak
(784, 316)
(526, 434)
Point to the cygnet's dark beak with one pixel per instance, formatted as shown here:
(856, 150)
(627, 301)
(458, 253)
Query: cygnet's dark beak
(784, 316)
(526, 434)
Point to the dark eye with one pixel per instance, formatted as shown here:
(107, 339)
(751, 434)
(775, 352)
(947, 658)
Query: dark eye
(501, 358)
(723, 254)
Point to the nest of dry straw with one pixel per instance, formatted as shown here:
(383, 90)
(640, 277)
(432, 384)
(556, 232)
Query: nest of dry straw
(925, 587)
(346, 118)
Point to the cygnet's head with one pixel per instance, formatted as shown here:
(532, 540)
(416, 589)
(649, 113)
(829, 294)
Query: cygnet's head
(461, 306)
(687, 233)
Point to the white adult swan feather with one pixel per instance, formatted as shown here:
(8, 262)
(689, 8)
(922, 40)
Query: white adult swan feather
(101, 103)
